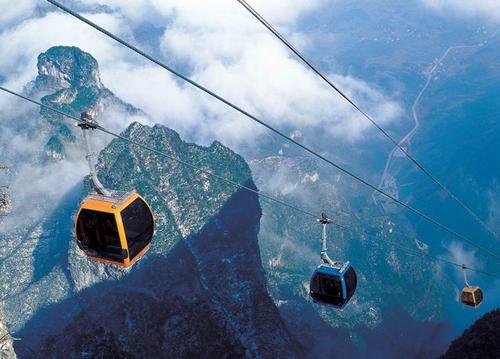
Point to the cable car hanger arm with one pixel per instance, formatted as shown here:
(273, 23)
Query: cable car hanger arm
(464, 269)
(88, 124)
(325, 221)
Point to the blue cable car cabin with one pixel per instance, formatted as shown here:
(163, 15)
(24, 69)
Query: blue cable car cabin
(333, 284)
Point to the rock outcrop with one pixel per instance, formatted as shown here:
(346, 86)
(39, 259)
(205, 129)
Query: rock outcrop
(69, 80)
(201, 289)
(480, 341)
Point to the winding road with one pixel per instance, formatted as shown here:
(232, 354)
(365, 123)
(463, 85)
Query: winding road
(408, 137)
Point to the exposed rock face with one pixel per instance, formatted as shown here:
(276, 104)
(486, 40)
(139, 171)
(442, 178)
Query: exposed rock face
(67, 67)
(200, 291)
(205, 298)
(480, 341)
(34, 255)
(68, 79)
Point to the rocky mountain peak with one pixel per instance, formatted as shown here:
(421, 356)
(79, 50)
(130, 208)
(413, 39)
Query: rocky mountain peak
(69, 80)
(63, 67)
(481, 340)
(201, 288)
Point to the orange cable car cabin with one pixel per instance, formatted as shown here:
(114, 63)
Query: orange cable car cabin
(110, 226)
(114, 229)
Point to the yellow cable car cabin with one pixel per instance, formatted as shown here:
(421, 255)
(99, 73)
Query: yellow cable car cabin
(111, 227)
(114, 229)
(472, 296)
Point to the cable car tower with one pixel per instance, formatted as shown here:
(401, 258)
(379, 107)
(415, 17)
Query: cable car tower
(111, 227)
(332, 283)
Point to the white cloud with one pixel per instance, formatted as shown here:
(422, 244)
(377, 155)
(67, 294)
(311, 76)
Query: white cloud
(52, 180)
(155, 91)
(236, 57)
(218, 44)
(461, 255)
(487, 9)
(12, 13)
(213, 13)
(36, 189)
(27, 40)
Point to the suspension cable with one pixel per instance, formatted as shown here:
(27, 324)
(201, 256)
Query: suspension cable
(252, 190)
(281, 134)
(417, 163)
(102, 129)
(415, 253)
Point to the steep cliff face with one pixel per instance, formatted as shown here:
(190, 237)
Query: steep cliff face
(68, 79)
(480, 341)
(206, 297)
(200, 291)
(64, 67)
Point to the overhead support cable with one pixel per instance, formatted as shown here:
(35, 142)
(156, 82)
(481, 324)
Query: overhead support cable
(163, 154)
(239, 185)
(281, 134)
(396, 143)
